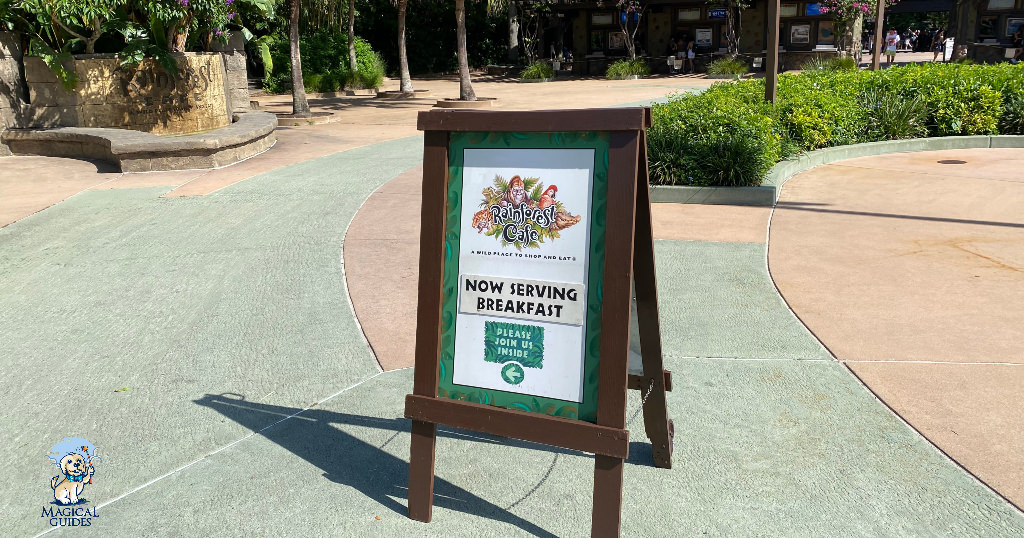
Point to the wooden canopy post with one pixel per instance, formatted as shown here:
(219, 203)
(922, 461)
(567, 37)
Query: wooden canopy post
(876, 61)
(771, 70)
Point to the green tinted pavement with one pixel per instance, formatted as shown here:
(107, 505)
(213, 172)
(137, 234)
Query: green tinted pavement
(254, 407)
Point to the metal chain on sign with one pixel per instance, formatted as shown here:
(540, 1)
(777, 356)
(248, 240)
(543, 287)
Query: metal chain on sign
(643, 402)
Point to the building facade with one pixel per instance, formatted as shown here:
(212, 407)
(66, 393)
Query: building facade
(591, 32)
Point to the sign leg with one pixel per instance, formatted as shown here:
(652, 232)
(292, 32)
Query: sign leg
(659, 427)
(606, 519)
(421, 471)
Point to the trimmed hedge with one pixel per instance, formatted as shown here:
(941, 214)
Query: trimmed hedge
(729, 136)
(537, 71)
(623, 69)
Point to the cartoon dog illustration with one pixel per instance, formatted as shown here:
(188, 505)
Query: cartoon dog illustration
(67, 488)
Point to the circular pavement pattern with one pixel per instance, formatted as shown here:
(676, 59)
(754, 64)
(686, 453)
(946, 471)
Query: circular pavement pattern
(910, 269)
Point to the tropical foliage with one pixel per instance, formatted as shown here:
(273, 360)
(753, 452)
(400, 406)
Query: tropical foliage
(134, 29)
(727, 67)
(623, 69)
(537, 71)
(730, 136)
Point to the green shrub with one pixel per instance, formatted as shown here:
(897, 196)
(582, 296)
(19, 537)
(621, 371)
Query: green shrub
(891, 116)
(537, 71)
(834, 63)
(727, 66)
(626, 68)
(1012, 120)
(711, 139)
(729, 135)
(818, 111)
(325, 64)
(370, 65)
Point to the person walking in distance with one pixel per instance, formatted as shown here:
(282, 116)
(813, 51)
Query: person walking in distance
(892, 41)
(938, 39)
(1018, 44)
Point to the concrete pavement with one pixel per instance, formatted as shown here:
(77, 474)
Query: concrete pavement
(254, 406)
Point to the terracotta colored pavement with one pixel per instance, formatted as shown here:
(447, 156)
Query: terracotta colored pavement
(910, 269)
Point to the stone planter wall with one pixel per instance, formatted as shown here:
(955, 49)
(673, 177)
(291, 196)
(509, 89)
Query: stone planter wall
(12, 87)
(145, 99)
(236, 81)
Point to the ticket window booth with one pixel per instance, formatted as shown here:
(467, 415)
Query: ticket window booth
(605, 36)
(998, 20)
(703, 25)
(804, 28)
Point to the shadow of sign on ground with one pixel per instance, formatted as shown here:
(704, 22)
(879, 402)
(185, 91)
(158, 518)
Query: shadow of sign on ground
(367, 468)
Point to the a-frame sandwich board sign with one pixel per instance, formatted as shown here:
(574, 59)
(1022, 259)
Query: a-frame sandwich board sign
(534, 226)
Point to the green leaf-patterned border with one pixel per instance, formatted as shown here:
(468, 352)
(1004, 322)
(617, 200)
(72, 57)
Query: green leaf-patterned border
(458, 143)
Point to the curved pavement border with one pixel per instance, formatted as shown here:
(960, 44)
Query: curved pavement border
(910, 268)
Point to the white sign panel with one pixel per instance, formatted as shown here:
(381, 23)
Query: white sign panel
(523, 261)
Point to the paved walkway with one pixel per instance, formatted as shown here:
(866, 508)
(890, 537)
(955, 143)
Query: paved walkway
(910, 268)
(207, 346)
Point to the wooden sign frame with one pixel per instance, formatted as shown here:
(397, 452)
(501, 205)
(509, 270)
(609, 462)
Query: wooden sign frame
(628, 257)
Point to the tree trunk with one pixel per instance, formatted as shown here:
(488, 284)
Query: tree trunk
(465, 84)
(178, 35)
(403, 60)
(300, 107)
(851, 36)
(731, 12)
(513, 33)
(352, 36)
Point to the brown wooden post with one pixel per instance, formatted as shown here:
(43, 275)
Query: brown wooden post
(428, 320)
(771, 69)
(606, 518)
(645, 277)
(876, 62)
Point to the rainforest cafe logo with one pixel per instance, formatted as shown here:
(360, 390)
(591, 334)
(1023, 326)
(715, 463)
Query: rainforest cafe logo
(522, 213)
(516, 222)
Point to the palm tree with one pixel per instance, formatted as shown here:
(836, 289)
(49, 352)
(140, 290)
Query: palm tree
(352, 36)
(403, 59)
(465, 84)
(300, 107)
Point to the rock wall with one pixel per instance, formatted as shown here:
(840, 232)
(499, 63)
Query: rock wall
(12, 87)
(147, 98)
(236, 82)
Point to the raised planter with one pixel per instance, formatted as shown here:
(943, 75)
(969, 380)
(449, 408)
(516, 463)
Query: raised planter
(399, 94)
(481, 102)
(147, 98)
(768, 193)
(361, 92)
(315, 118)
(501, 70)
(251, 133)
(532, 80)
